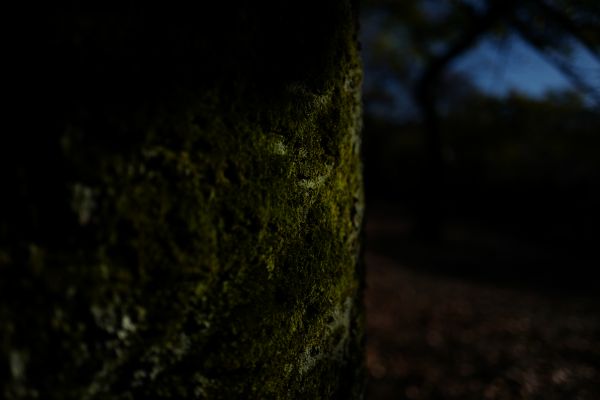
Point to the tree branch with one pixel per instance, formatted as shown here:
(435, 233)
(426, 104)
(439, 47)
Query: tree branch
(562, 66)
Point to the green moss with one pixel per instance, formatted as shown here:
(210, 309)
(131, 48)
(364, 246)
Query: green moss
(213, 255)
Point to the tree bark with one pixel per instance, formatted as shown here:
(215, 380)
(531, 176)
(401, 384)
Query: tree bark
(182, 205)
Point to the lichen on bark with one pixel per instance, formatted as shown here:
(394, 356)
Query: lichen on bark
(191, 228)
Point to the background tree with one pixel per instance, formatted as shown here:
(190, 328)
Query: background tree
(181, 204)
(421, 40)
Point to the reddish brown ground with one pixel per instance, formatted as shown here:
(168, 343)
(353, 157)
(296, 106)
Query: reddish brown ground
(432, 336)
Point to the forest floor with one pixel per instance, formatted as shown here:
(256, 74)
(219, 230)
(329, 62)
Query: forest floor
(434, 335)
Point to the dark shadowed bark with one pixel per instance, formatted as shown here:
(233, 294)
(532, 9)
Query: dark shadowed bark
(181, 205)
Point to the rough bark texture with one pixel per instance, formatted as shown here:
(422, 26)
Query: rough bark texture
(181, 205)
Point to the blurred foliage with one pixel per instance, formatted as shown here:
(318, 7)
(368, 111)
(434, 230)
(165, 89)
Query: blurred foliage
(519, 138)
(513, 133)
(489, 140)
(414, 36)
(529, 162)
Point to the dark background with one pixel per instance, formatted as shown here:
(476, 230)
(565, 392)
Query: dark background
(482, 174)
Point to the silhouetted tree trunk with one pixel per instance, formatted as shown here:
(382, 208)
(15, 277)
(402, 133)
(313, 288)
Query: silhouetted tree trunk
(181, 205)
(429, 211)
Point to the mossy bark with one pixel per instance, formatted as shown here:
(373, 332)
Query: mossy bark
(182, 205)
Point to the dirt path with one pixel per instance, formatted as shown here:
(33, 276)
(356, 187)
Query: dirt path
(434, 337)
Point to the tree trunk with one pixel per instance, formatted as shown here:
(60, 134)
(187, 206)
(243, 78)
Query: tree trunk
(429, 211)
(181, 206)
